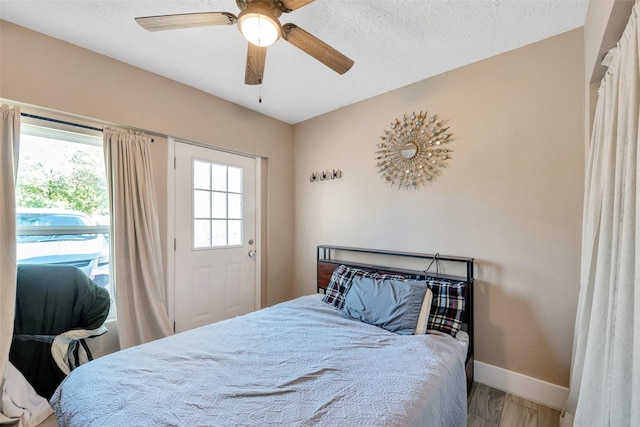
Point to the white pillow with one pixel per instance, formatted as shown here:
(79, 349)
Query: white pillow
(425, 310)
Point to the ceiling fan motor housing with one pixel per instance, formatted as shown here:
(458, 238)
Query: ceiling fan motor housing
(258, 22)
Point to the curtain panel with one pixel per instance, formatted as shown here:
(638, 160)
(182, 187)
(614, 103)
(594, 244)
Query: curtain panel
(19, 403)
(605, 370)
(138, 273)
(10, 134)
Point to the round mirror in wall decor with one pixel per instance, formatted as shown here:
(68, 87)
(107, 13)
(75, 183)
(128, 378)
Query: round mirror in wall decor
(414, 150)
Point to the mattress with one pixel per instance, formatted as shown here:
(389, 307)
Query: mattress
(298, 363)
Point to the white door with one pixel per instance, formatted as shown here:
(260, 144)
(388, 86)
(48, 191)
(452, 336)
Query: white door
(215, 259)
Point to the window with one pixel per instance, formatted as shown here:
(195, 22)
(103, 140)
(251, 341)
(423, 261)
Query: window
(217, 205)
(62, 209)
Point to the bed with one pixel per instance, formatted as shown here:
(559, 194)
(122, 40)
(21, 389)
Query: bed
(299, 363)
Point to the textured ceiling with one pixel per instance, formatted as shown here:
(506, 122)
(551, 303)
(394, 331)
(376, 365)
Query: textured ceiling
(393, 43)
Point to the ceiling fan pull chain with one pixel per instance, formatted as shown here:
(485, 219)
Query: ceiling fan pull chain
(259, 91)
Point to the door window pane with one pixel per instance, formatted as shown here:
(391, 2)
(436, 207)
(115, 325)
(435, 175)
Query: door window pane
(201, 175)
(235, 206)
(201, 204)
(235, 180)
(219, 233)
(235, 232)
(201, 233)
(219, 177)
(219, 205)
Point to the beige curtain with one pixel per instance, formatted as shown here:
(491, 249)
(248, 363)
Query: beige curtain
(137, 270)
(605, 371)
(10, 134)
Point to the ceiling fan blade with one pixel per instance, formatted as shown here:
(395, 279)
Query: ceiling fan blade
(289, 5)
(186, 20)
(256, 57)
(316, 48)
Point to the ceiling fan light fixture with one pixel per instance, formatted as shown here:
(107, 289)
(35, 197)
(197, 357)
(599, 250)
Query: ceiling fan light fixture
(259, 25)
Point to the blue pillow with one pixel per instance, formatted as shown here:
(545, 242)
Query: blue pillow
(341, 279)
(391, 304)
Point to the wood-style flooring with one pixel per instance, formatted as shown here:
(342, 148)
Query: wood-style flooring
(488, 407)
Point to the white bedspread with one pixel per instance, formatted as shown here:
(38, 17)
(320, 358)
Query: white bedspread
(299, 363)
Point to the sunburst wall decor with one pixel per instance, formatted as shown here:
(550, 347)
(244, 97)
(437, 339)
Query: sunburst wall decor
(414, 150)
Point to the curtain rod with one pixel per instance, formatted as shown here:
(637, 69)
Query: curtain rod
(62, 122)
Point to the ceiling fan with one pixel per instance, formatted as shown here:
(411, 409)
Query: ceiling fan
(258, 22)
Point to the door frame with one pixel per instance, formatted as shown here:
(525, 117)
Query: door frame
(171, 218)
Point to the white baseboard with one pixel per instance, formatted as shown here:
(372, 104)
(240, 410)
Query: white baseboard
(530, 388)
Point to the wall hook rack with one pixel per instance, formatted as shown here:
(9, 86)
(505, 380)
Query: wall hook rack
(325, 175)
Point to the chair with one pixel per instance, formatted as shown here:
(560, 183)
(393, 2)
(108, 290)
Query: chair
(54, 303)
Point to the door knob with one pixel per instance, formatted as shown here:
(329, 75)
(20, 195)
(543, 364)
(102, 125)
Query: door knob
(252, 254)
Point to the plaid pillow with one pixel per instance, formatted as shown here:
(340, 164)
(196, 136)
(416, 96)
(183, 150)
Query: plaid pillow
(447, 306)
(341, 280)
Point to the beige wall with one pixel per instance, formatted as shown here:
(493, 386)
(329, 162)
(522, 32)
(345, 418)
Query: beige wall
(511, 197)
(51, 74)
